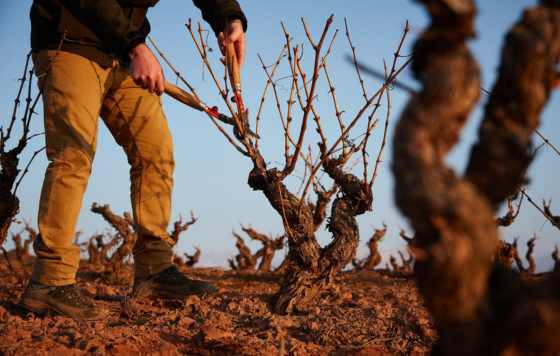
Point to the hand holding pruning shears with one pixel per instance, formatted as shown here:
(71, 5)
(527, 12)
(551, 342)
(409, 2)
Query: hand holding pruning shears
(233, 34)
(233, 47)
(146, 70)
(232, 44)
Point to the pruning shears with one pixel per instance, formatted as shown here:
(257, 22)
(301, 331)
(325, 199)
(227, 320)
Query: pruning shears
(193, 102)
(190, 100)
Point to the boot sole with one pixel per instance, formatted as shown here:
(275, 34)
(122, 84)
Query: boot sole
(43, 308)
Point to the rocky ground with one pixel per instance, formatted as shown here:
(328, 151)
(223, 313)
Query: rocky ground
(369, 313)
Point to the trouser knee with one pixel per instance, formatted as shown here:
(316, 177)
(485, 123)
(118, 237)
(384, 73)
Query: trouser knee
(155, 157)
(71, 161)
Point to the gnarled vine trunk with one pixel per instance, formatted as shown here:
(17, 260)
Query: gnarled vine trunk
(311, 268)
(478, 309)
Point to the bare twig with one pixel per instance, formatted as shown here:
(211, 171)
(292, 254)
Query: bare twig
(35, 135)
(316, 67)
(269, 82)
(193, 90)
(529, 255)
(316, 116)
(172, 67)
(409, 240)
(179, 227)
(26, 170)
(355, 61)
(297, 69)
(396, 56)
(354, 121)
(332, 91)
(203, 55)
(543, 212)
(371, 124)
(554, 219)
(512, 212)
(288, 139)
(383, 141)
(193, 259)
(27, 112)
(249, 150)
(270, 79)
(547, 141)
(5, 137)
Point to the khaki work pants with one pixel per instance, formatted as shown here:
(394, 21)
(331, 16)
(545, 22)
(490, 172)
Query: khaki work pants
(76, 92)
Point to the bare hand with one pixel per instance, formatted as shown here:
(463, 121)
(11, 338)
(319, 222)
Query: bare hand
(234, 33)
(146, 70)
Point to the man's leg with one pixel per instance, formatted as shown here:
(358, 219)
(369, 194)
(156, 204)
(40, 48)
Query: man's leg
(138, 124)
(73, 88)
(136, 120)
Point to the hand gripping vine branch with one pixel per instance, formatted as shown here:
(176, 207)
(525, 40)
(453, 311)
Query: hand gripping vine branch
(310, 268)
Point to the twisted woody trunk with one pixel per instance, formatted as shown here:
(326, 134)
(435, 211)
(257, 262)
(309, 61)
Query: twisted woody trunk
(312, 268)
(478, 309)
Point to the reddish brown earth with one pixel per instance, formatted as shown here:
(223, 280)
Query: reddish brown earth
(370, 313)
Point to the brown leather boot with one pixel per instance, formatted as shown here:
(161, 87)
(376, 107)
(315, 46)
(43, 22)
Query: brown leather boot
(171, 283)
(64, 300)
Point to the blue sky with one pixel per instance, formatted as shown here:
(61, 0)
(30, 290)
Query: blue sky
(211, 177)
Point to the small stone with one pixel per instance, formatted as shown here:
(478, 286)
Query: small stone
(232, 306)
(213, 334)
(186, 322)
(314, 326)
(370, 351)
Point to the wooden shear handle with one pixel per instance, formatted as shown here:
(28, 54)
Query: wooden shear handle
(235, 77)
(233, 68)
(184, 97)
